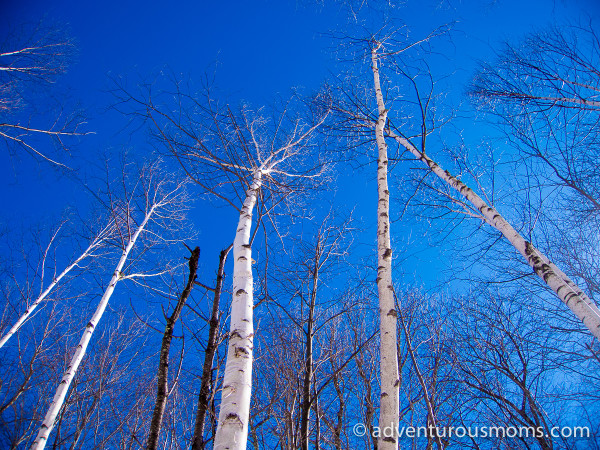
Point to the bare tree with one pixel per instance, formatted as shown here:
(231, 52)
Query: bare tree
(542, 94)
(113, 385)
(458, 196)
(206, 382)
(553, 68)
(390, 378)
(298, 297)
(249, 157)
(157, 200)
(359, 124)
(503, 361)
(471, 204)
(163, 365)
(97, 241)
(24, 374)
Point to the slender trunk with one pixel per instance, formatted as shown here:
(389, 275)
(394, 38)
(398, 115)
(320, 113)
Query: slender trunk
(317, 418)
(255, 439)
(82, 423)
(232, 429)
(339, 426)
(427, 397)
(209, 356)
(213, 405)
(369, 408)
(61, 391)
(390, 380)
(564, 288)
(308, 363)
(95, 243)
(163, 365)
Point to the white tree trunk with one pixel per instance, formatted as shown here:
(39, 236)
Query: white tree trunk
(232, 428)
(95, 243)
(390, 380)
(61, 391)
(565, 289)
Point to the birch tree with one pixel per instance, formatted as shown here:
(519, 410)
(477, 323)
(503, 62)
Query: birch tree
(541, 93)
(471, 204)
(390, 378)
(358, 121)
(96, 243)
(564, 288)
(235, 397)
(244, 159)
(113, 385)
(153, 200)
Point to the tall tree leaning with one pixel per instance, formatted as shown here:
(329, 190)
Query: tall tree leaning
(156, 199)
(565, 289)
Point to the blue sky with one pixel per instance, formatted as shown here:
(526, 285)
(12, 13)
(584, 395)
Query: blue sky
(260, 49)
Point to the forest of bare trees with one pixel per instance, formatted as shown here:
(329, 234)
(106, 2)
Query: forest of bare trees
(215, 283)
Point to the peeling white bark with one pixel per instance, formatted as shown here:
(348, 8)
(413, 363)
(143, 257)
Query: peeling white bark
(390, 380)
(564, 288)
(232, 428)
(95, 243)
(61, 391)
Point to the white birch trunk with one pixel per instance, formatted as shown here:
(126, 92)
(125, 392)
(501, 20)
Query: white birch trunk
(390, 380)
(95, 243)
(232, 428)
(61, 391)
(564, 288)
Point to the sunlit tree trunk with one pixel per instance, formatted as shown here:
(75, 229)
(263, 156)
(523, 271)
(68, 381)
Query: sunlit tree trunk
(571, 295)
(209, 356)
(61, 391)
(163, 365)
(390, 380)
(98, 240)
(241, 150)
(232, 429)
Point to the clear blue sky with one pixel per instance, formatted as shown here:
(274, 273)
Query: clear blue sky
(262, 48)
